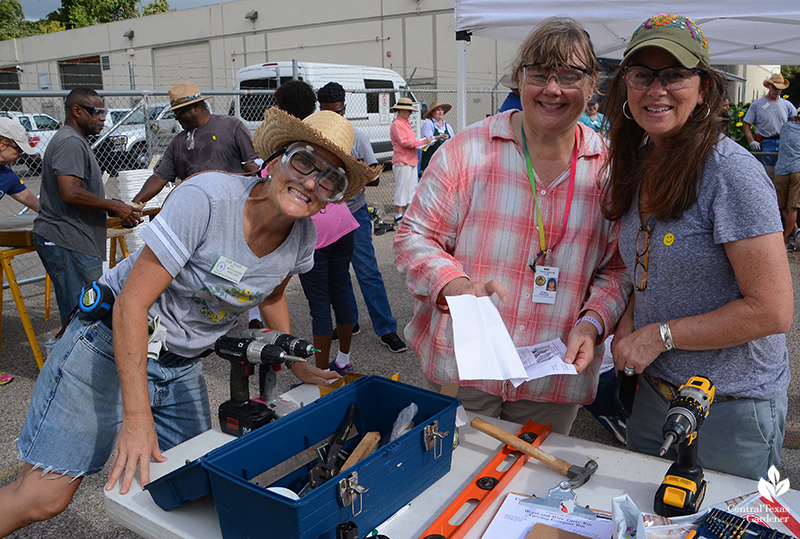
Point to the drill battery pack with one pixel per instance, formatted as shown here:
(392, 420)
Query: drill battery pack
(239, 418)
(681, 492)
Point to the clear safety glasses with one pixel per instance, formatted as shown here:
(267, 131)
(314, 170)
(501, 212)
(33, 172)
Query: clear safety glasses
(567, 77)
(301, 161)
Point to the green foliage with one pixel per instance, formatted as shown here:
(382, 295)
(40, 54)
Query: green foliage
(792, 93)
(13, 23)
(157, 6)
(737, 113)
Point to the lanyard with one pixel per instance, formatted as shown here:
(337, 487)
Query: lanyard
(572, 169)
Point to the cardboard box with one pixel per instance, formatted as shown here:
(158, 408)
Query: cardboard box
(366, 494)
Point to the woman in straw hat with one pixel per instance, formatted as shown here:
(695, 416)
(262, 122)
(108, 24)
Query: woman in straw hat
(692, 202)
(404, 158)
(505, 205)
(433, 126)
(223, 245)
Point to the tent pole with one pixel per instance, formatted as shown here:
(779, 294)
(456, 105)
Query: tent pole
(463, 38)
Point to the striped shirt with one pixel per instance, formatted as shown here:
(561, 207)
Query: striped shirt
(473, 216)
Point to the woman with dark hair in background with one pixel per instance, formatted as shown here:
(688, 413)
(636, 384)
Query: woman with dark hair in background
(701, 237)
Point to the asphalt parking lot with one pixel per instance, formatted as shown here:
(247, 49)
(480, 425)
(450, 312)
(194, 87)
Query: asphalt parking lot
(86, 516)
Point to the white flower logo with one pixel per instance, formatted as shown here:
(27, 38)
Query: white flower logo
(775, 487)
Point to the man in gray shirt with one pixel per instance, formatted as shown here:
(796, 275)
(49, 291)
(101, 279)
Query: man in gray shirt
(69, 233)
(207, 142)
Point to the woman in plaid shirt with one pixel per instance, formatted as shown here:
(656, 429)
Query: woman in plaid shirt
(473, 229)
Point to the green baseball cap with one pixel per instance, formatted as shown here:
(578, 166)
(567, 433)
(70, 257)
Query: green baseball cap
(677, 35)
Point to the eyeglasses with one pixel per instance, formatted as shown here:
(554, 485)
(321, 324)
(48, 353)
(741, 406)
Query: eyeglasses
(301, 161)
(568, 77)
(340, 110)
(97, 112)
(673, 78)
(643, 257)
(13, 146)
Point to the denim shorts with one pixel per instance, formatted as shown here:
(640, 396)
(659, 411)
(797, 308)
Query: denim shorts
(76, 406)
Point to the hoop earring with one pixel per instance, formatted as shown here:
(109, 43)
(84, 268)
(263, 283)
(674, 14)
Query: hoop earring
(623, 110)
(708, 111)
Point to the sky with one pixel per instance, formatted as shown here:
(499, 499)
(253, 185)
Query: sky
(39, 9)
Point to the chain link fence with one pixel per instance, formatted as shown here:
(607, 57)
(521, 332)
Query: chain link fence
(139, 126)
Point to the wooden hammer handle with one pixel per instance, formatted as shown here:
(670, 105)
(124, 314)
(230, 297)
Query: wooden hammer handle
(520, 445)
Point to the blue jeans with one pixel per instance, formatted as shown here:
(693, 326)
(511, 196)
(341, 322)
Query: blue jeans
(76, 406)
(69, 271)
(326, 285)
(369, 278)
(740, 437)
(769, 145)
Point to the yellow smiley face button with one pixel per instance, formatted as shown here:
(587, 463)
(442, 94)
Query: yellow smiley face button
(669, 239)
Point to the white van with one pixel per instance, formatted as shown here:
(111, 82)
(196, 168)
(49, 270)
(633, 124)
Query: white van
(363, 106)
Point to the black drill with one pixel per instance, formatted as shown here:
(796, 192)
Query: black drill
(683, 488)
(240, 415)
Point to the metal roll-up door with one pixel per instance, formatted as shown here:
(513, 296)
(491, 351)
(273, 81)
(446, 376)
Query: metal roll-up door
(184, 63)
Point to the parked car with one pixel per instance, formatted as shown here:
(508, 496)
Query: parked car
(40, 128)
(128, 145)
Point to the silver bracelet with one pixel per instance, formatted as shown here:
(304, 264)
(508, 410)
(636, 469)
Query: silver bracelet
(666, 336)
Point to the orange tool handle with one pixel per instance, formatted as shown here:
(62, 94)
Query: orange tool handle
(521, 446)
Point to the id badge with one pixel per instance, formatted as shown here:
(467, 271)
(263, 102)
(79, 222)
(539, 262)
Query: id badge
(228, 269)
(545, 285)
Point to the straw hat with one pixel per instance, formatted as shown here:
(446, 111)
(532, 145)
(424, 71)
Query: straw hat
(436, 105)
(12, 129)
(777, 81)
(404, 103)
(324, 128)
(184, 94)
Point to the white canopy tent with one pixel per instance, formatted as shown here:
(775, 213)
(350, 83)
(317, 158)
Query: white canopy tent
(738, 31)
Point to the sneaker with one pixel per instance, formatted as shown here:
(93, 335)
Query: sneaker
(394, 343)
(341, 371)
(615, 425)
(398, 219)
(791, 246)
(5, 378)
(356, 331)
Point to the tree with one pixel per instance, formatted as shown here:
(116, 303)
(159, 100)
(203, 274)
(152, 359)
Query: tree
(157, 6)
(13, 23)
(792, 74)
(81, 13)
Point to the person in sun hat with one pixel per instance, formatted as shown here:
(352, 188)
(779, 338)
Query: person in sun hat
(404, 158)
(593, 117)
(207, 142)
(221, 246)
(433, 126)
(766, 115)
(13, 143)
(692, 202)
(512, 100)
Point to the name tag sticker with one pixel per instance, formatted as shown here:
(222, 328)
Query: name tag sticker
(228, 269)
(545, 285)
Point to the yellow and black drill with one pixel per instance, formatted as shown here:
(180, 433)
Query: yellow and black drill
(683, 488)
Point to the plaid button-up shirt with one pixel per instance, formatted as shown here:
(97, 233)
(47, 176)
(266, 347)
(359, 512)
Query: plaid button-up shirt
(473, 216)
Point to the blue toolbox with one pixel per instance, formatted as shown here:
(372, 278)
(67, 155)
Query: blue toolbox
(290, 453)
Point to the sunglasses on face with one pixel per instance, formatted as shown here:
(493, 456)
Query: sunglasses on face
(567, 76)
(301, 162)
(14, 147)
(96, 112)
(673, 78)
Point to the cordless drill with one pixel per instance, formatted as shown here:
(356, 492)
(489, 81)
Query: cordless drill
(240, 415)
(683, 488)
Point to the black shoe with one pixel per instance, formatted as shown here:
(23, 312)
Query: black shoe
(394, 343)
(255, 323)
(356, 331)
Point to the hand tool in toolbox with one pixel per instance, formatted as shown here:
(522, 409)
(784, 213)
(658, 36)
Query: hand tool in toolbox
(329, 467)
(577, 475)
(240, 415)
(722, 525)
(486, 487)
(683, 488)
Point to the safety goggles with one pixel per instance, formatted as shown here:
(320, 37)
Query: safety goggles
(673, 78)
(568, 77)
(97, 112)
(300, 161)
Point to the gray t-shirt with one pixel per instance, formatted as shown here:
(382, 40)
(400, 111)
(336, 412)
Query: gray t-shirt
(362, 150)
(789, 154)
(768, 116)
(199, 227)
(689, 273)
(83, 231)
(223, 143)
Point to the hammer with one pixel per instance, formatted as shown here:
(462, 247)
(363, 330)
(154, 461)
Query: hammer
(578, 475)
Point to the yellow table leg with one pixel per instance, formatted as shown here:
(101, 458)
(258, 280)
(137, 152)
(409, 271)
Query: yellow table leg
(123, 246)
(23, 311)
(48, 284)
(112, 253)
